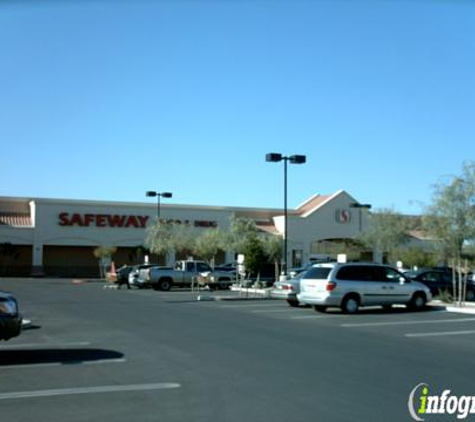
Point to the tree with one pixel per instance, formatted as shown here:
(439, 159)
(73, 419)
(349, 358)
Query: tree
(387, 231)
(184, 237)
(138, 256)
(209, 243)
(254, 254)
(159, 238)
(104, 255)
(240, 231)
(244, 237)
(416, 256)
(450, 219)
(273, 247)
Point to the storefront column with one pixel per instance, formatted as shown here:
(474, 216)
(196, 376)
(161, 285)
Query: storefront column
(37, 264)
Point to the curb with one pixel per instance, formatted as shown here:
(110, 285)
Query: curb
(466, 308)
(88, 280)
(461, 310)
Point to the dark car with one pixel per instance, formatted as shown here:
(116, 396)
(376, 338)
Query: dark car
(229, 268)
(10, 318)
(440, 281)
(137, 276)
(123, 274)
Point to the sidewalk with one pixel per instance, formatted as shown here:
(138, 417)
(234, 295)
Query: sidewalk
(466, 308)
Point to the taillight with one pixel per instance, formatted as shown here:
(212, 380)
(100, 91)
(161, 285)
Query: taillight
(287, 287)
(331, 285)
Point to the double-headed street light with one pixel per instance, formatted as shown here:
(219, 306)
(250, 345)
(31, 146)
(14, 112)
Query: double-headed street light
(152, 193)
(360, 207)
(294, 159)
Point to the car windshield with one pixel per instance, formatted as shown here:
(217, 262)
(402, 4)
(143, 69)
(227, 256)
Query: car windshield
(317, 273)
(299, 275)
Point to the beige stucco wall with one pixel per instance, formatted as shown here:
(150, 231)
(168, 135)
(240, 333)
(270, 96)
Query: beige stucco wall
(47, 230)
(52, 233)
(323, 224)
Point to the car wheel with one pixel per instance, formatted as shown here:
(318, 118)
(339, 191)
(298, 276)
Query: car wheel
(350, 304)
(224, 283)
(293, 302)
(319, 308)
(470, 296)
(164, 285)
(418, 302)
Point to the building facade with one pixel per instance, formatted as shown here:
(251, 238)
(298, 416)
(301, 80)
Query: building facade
(57, 237)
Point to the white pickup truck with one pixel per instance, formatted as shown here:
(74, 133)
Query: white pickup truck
(185, 273)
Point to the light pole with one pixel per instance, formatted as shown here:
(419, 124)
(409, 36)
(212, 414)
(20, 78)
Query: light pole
(360, 207)
(294, 159)
(152, 193)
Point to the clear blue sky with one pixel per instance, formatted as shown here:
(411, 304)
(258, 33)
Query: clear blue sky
(107, 99)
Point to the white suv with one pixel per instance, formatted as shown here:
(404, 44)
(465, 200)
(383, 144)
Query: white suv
(351, 285)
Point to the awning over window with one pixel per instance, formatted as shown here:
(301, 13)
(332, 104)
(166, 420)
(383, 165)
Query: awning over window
(15, 219)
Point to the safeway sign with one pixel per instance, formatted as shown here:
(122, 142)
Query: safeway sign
(103, 220)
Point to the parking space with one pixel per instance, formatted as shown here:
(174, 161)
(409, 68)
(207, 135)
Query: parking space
(398, 322)
(135, 354)
(82, 347)
(433, 323)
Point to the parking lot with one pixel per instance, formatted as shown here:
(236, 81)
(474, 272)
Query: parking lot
(104, 354)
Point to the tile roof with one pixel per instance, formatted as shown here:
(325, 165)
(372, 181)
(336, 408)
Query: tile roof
(15, 219)
(267, 226)
(312, 204)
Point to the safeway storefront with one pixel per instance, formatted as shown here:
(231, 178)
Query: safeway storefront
(57, 237)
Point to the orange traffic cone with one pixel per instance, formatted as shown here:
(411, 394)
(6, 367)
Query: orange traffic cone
(113, 268)
(112, 274)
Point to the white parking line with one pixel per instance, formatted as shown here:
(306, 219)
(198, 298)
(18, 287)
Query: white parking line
(271, 311)
(87, 390)
(252, 305)
(312, 317)
(446, 333)
(48, 345)
(387, 323)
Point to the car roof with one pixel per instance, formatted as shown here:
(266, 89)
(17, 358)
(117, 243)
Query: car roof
(427, 270)
(343, 264)
(5, 295)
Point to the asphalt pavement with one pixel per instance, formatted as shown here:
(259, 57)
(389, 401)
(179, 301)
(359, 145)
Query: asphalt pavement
(95, 354)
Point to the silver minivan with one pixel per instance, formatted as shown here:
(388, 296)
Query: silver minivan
(351, 285)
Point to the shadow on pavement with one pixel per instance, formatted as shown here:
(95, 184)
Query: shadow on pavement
(63, 356)
(31, 327)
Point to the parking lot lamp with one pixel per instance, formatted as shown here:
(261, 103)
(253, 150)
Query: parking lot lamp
(294, 159)
(152, 193)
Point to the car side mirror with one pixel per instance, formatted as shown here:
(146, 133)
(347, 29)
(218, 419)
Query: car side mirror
(403, 280)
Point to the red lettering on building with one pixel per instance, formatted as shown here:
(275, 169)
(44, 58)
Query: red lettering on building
(132, 221)
(125, 221)
(64, 219)
(76, 219)
(204, 223)
(88, 219)
(102, 220)
(116, 220)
